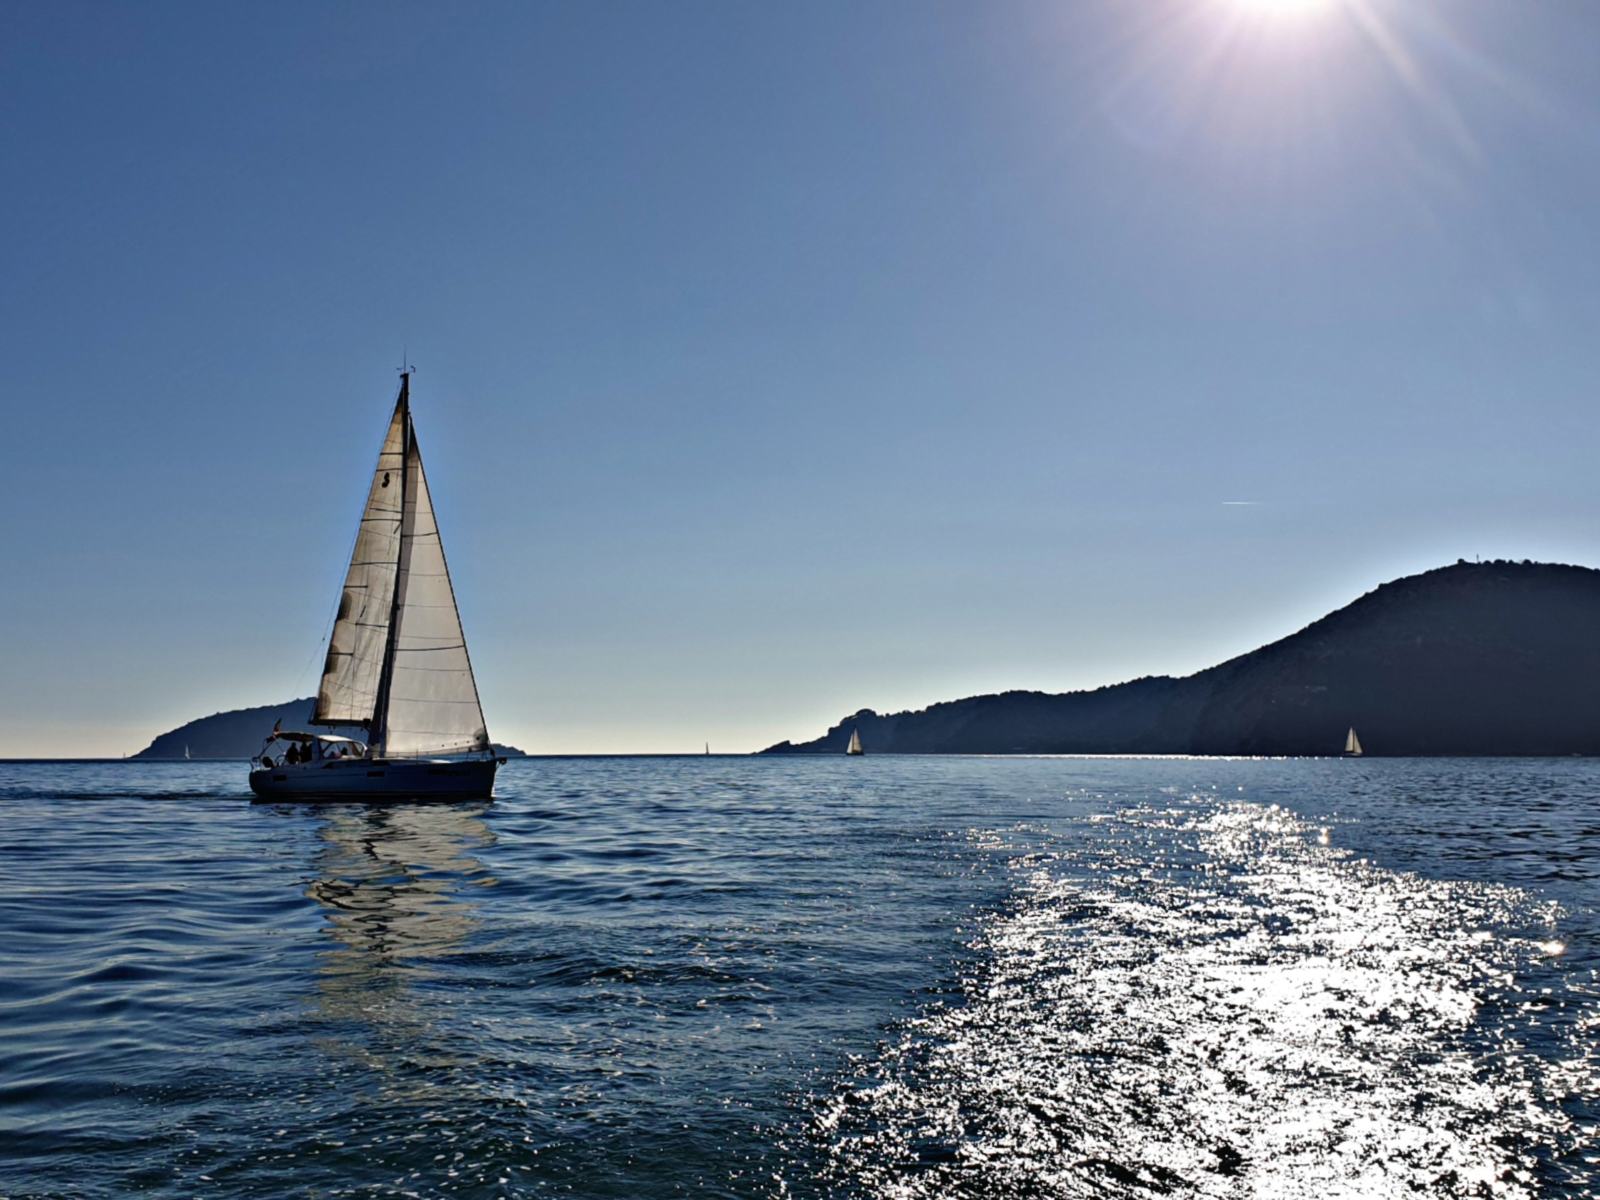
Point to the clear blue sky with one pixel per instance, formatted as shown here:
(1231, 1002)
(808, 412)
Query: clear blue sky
(776, 361)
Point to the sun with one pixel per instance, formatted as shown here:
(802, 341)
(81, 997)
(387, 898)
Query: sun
(1282, 8)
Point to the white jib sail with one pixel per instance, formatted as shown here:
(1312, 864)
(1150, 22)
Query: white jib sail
(1352, 744)
(349, 689)
(433, 700)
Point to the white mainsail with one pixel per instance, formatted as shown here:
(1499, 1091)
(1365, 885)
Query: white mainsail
(348, 693)
(433, 705)
(855, 742)
(1352, 744)
(397, 659)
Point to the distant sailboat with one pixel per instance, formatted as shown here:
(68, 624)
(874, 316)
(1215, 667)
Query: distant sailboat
(855, 743)
(186, 750)
(708, 748)
(397, 661)
(1352, 744)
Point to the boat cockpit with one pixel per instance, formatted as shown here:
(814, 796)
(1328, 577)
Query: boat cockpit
(290, 748)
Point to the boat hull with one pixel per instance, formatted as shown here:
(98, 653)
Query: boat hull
(379, 780)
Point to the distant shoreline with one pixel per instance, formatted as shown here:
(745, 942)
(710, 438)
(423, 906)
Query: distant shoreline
(1475, 660)
(1131, 756)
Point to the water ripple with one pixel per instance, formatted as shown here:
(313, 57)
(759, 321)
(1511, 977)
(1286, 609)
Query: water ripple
(891, 977)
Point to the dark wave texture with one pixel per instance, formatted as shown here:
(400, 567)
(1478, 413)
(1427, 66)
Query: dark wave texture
(807, 977)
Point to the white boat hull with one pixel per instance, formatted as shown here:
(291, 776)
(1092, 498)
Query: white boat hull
(374, 780)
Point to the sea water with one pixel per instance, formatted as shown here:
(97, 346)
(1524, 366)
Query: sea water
(795, 977)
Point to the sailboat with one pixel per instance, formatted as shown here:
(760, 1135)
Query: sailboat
(1352, 744)
(397, 662)
(855, 743)
(186, 751)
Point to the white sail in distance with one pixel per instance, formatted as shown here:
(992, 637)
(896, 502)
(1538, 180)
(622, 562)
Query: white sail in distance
(1352, 744)
(855, 742)
(431, 705)
(348, 692)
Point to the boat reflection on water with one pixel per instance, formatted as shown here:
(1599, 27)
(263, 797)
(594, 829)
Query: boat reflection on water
(381, 1022)
(392, 883)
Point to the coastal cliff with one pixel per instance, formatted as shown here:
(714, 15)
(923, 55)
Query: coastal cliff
(1497, 658)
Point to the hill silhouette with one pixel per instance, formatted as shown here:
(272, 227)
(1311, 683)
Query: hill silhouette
(1496, 658)
(240, 732)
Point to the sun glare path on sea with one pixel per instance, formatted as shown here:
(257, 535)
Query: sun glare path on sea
(1210, 1001)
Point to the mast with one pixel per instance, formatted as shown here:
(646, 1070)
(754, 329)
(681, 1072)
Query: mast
(380, 712)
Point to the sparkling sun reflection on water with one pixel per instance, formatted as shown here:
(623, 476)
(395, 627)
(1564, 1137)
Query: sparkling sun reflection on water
(1214, 1002)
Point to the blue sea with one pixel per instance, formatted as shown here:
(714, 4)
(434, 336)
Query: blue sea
(806, 977)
